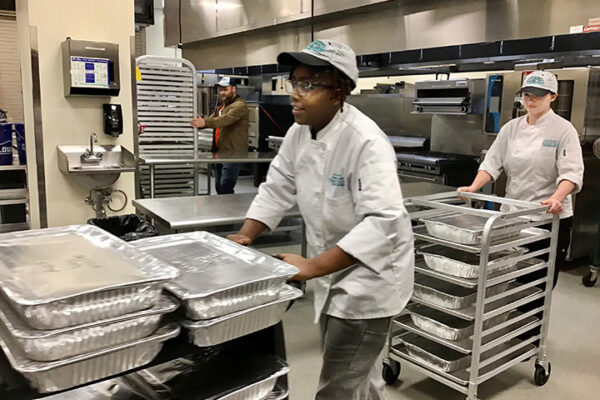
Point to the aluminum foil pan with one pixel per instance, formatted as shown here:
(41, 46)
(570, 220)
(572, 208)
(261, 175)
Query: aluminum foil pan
(263, 389)
(464, 264)
(449, 295)
(442, 293)
(68, 342)
(218, 277)
(222, 329)
(433, 354)
(468, 229)
(279, 393)
(69, 276)
(109, 389)
(60, 375)
(447, 326)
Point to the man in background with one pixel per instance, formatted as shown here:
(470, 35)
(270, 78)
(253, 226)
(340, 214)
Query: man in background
(230, 137)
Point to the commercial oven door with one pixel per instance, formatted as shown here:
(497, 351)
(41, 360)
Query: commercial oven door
(408, 177)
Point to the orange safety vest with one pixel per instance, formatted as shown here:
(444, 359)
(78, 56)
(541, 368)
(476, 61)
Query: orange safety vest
(218, 130)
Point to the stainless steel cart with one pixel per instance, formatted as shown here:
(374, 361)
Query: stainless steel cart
(490, 335)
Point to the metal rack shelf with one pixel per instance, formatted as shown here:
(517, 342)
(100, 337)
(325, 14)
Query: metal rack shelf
(21, 226)
(516, 352)
(526, 236)
(491, 345)
(13, 167)
(515, 326)
(525, 266)
(523, 296)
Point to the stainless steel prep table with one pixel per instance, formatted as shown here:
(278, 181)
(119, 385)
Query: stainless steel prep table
(177, 214)
(202, 212)
(255, 157)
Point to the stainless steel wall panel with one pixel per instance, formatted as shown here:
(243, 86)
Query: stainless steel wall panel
(391, 26)
(393, 114)
(232, 14)
(460, 134)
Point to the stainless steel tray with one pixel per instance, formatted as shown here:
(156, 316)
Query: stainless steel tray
(68, 342)
(218, 277)
(263, 389)
(468, 229)
(466, 265)
(447, 326)
(59, 375)
(241, 323)
(434, 354)
(68, 276)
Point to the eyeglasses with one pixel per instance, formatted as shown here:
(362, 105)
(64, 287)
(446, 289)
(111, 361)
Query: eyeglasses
(302, 87)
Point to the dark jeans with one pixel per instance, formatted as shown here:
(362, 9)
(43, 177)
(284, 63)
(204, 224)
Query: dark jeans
(564, 239)
(226, 176)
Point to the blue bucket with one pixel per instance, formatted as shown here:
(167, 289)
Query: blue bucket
(6, 144)
(20, 129)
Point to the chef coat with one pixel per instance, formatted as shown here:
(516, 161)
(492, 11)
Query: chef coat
(346, 186)
(536, 158)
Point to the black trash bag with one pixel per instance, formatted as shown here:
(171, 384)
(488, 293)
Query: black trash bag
(128, 227)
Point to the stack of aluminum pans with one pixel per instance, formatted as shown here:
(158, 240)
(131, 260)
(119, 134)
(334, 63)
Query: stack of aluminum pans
(468, 229)
(228, 290)
(78, 304)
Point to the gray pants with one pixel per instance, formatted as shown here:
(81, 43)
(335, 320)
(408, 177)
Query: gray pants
(351, 349)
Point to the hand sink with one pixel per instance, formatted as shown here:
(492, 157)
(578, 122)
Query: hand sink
(96, 174)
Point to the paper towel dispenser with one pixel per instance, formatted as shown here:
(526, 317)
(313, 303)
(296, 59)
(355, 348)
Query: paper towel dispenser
(90, 68)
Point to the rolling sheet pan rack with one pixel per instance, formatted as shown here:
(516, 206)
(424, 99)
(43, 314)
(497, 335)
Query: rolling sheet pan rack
(495, 344)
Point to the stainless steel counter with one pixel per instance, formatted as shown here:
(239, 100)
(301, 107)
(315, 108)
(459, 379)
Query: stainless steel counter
(204, 212)
(200, 212)
(210, 158)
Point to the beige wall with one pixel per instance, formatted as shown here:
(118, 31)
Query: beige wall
(69, 120)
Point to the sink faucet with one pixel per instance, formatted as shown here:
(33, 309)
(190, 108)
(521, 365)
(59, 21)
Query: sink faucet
(89, 155)
(93, 139)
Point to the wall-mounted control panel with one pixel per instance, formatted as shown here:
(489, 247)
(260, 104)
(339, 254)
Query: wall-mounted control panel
(90, 68)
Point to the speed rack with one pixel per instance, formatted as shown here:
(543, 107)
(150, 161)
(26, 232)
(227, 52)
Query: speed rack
(469, 318)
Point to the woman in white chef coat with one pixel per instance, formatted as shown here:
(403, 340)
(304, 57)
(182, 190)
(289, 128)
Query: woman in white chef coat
(340, 169)
(541, 156)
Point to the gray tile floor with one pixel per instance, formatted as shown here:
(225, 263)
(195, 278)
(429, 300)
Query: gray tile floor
(574, 350)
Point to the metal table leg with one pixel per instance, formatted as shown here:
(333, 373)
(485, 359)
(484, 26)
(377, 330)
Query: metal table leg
(303, 246)
(151, 180)
(208, 170)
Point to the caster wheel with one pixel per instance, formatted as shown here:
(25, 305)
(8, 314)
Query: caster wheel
(391, 371)
(541, 375)
(590, 279)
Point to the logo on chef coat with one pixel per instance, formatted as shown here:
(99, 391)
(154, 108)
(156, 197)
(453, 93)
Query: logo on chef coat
(337, 180)
(550, 143)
